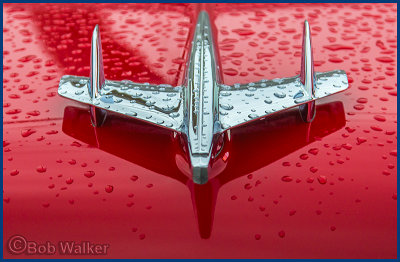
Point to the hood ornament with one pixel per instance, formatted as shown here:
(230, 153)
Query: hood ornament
(203, 108)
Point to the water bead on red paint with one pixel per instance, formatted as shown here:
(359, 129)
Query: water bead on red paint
(303, 156)
(380, 118)
(41, 169)
(14, 172)
(27, 132)
(89, 174)
(287, 179)
(322, 179)
(109, 188)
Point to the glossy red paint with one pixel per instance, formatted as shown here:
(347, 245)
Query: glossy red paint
(287, 189)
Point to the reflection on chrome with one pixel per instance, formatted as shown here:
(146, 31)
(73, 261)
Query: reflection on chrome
(282, 134)
(203, 110)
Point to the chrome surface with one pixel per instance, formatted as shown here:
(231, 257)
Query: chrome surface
(307, 78)
(203, 107)
(158, 104)
(242, 103)
(97, 80)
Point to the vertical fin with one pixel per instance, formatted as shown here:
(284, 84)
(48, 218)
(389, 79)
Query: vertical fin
(97, 79)
(307, 77)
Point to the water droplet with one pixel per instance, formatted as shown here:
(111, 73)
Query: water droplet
(150, 102)
(385, 59)
(27, 132)
(230, 72)
(359, 107)
(287, 179)
(13, 111)
(174, 114)
(247, 186)
(14, 172)
(303, 156)
(322, 180)
(41, 169)
(52, 132)
(89, 174)
(298, 95)
(347, 146)
(362, 100)
(280, 94)
(109, 188)
(253, 116)
(380, 118)
(313, 151)
(226, 106)
(107, 99)
(361, 140)
(33, 113)
(376, 128)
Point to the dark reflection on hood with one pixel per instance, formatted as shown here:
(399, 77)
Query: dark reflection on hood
(160, 150)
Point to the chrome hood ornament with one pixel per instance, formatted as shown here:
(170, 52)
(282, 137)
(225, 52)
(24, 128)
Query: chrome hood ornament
(203, 108)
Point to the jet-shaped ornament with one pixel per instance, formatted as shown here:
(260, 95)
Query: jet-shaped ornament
(202, 108)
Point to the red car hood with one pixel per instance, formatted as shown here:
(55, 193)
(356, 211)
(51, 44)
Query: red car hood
(287, 189)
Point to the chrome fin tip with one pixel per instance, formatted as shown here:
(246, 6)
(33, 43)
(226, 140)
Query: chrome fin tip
(97, 78)
(307, 75)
